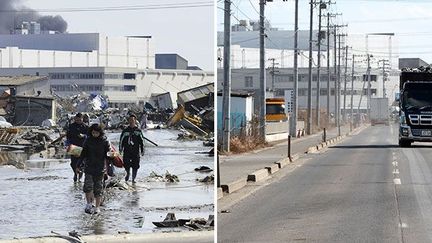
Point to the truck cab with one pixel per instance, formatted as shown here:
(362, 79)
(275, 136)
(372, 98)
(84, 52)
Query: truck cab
(415, 118)
(275, 110)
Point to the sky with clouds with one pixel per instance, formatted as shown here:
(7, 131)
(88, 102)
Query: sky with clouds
(186, 31)
(408, 19)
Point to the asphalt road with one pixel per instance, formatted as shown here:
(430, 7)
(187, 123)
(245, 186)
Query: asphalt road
(364, 189)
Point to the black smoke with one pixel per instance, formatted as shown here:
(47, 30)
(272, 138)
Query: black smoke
(13, 13)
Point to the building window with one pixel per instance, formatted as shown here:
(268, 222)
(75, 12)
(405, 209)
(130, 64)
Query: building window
(323, 91)
(129, 76)
(249, 82)
(373, 78)
(302, 92)
(129, 88)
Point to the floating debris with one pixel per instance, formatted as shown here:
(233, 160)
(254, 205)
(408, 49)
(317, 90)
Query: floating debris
(203, 169)
(171, 221)
(38, 178)
(201, 223)
(207, 179)
(167, 178)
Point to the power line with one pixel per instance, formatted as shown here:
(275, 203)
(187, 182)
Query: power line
(118, 8)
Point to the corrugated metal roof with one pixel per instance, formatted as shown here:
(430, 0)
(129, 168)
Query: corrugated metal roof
(19, 80)
(195, 93)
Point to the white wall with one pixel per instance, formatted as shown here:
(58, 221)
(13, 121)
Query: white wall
(111, 52)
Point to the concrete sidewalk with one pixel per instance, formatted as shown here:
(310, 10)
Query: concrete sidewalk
(235, 169)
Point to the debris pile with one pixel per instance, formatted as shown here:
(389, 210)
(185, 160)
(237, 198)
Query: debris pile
(170, 221)
(207, 179)
(195, 113)
(204, 169)
(159, 178)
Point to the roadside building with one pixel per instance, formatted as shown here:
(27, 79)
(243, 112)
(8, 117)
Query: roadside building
(241, 112)
(122, 68)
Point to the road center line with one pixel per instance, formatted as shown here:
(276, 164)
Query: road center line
(397, 181)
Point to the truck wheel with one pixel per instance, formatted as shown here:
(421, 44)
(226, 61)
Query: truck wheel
(404, 143)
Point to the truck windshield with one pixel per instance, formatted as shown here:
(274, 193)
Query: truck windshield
(419, 98)
(275, 109)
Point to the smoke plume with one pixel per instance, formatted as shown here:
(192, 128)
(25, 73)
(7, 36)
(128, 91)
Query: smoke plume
(13, 13)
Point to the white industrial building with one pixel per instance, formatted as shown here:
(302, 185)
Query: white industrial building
(123, 86)
(123, 68)
(245, 66)
(76, 50)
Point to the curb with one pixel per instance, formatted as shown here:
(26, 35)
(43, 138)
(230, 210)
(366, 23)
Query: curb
(272, 168)
(282, 163)
(219, 193)
(258, 175)
(234, 186)
(263, 174)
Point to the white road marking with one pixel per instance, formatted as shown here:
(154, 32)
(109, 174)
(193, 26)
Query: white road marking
(404, 225)
(397, 181)
(396, 171)
(395, 163)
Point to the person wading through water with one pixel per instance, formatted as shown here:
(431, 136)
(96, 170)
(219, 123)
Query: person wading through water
(131, 142)
(95, 151)
(76, 135)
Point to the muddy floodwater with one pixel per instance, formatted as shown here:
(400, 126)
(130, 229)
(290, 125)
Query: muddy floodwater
(38, 196)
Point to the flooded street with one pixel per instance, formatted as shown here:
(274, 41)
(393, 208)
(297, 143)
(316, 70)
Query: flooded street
(38, 196)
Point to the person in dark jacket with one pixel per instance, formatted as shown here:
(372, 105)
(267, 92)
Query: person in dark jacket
(95, 151)
(76, 134)
(131, 143)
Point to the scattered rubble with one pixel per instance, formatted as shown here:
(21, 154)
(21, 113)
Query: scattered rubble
(207, 179)
(167, 178)
(192, 224)
(38, 178)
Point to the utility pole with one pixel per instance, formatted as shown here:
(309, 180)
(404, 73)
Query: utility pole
(294, 114)
(226, 107)
(272, 72)
(339, 84)
(345, 83)
(368, 85)
(328, 68)
(309, 98)
(335, 73)
(352, 93)
(262, 94)
(385, 63)
(317, 106)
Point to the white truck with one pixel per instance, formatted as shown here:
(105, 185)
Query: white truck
(379, 113)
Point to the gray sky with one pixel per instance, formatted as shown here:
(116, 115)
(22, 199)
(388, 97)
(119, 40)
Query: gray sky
(408, 19)
(186, 31)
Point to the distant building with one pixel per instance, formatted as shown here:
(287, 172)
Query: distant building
(122, 68)
(26, 100)
(123, 86)
(241, 112)
(193, 68)
(411, 63)
(76, 49)
(171, 61)
(32, 111)
(25, 85)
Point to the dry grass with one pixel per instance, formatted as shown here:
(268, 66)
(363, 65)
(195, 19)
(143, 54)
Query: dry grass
(242, 144)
